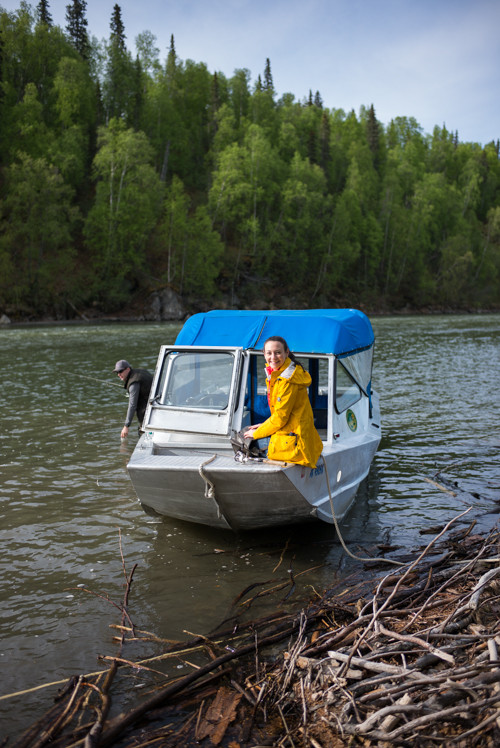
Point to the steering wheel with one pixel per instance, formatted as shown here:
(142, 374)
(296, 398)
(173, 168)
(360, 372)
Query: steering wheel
(210, 400)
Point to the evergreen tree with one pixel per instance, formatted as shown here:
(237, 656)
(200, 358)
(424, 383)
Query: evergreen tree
(372, 130)
(137, 98)
(324, 139)
(312, 146)
(122, 83)
(171, 67)
(76, 26)
(268, 78)
(43, 13)
(214, 103)
(117, 36)
(240, 94)
(318, 101)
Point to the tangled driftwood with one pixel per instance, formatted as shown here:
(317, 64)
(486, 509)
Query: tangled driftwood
(418, 662)
(408, 656)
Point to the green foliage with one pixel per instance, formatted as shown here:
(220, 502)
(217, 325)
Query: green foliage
(173, 231)
(36, 246)
(210, 184)
(192, 249)
(203, 257)
(125, 210)
(302, 226)
(148, 53)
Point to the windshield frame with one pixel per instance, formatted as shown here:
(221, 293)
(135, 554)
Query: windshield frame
(204, 416)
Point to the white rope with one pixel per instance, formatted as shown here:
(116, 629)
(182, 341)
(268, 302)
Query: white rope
(209, 486)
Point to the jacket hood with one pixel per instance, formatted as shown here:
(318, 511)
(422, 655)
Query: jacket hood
(294, 372)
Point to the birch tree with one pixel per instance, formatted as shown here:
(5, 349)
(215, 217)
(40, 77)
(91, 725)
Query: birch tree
(126, 207)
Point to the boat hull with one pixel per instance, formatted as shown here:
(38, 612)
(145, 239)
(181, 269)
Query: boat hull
(216, 490)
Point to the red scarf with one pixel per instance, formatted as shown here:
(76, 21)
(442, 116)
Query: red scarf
(270, 384)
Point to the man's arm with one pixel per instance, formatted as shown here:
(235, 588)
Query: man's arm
(133, 392)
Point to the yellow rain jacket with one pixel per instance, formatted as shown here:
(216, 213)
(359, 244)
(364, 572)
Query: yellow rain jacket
(291, 426)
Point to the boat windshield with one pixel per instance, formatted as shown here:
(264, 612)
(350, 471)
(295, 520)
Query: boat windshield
(196, 380)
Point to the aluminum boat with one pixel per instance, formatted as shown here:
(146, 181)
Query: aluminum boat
(210, 385)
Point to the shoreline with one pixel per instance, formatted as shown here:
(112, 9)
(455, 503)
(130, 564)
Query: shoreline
(143, 319)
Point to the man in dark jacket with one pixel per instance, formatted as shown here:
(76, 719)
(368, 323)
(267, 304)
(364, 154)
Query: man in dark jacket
(137, 382)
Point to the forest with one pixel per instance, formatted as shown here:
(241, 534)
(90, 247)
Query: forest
(121, 175)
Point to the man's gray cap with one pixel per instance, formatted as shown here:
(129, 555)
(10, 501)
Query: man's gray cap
(121, 365)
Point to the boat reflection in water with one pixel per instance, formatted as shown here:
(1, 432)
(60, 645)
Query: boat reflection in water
(211, 384)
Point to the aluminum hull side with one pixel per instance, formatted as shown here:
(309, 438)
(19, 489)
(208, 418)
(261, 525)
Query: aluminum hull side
(173, 486)
(215, 490)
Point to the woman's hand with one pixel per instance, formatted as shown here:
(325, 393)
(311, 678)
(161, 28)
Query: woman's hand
(250, 430)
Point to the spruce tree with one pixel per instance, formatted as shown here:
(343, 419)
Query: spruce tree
(214, 103)
(318, 101)
(171, 66)
(268, 77)
(325, 141)
(312, 146)
(372, 131)
(117, 28)
(137, 101)
(122, 83)
(43, 13)
(76, 26)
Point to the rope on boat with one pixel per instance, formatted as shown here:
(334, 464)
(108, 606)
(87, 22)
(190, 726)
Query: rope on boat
(210, 490)
(209, 486)
(344, 546)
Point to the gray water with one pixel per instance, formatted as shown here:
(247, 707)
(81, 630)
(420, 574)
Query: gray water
(69, 512)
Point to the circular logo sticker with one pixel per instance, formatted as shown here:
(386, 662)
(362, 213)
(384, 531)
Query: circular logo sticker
(351, 420)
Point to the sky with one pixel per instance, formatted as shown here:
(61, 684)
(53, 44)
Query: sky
(435, 60)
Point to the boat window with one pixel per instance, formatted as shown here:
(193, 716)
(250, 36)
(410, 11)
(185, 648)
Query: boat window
(359, 366)
(196, 380)
(347, 391)
(322, 376)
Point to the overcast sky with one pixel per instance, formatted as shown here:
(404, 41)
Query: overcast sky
(435, 60)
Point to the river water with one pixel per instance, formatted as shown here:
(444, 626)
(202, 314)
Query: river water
(69, 513)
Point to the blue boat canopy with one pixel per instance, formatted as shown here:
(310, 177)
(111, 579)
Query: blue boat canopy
(338, 331)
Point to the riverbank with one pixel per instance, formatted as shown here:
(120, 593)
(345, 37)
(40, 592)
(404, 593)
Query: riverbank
(404, 651)
(165, 305)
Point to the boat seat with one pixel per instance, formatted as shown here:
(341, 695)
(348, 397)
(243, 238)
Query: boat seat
(260, 411)
(320, 418)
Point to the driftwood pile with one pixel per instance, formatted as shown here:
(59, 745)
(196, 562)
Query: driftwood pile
(408, 656)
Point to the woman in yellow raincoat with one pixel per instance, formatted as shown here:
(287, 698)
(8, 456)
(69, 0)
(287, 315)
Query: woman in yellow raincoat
(291, 425)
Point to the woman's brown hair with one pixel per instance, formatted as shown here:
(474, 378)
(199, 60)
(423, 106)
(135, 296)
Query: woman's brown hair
(279, 339)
